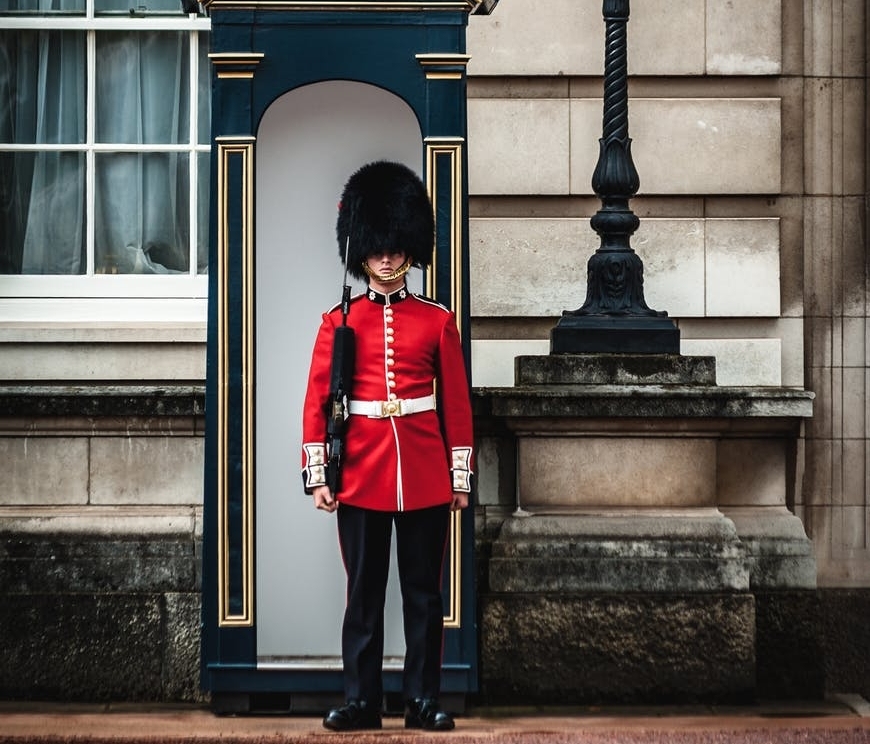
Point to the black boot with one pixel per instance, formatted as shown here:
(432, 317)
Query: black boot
(353, 716)
(425, 713)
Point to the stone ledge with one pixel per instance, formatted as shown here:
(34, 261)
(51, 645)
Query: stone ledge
(102, 400)
(780, 553)
(71, 563)
(645, 401)
(152, 522)
(622, 553)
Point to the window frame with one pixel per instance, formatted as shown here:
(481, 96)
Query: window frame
(20, 293)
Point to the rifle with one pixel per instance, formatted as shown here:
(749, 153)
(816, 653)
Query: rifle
(341, 375)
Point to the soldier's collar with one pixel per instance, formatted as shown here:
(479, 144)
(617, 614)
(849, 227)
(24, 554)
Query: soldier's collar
(383, 299)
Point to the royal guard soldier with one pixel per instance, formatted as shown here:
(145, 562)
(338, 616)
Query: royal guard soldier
(405, 460)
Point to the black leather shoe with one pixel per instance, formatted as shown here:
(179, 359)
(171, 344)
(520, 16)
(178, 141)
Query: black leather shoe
(353, 716)
(424, 713)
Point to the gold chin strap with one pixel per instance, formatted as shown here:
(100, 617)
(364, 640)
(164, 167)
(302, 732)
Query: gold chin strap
(397, 274)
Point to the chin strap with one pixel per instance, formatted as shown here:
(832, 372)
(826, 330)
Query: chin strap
(397, 274)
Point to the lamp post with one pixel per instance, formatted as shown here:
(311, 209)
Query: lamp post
(615, 317)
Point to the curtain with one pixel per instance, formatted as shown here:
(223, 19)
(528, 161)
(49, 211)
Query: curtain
(141, 199)
(43, 193)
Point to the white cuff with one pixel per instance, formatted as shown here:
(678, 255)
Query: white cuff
(461, 469)
(314, 471)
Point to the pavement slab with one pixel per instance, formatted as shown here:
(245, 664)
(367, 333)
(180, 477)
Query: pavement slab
(841, 721)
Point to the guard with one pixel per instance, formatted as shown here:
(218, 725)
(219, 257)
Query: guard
(403, 426)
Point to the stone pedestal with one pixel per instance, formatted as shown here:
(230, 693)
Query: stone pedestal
(650, 505)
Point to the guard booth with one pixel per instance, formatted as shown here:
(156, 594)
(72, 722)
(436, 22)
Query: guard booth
(303, 94)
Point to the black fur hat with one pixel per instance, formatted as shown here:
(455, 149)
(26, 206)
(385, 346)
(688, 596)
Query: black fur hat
(385, 207)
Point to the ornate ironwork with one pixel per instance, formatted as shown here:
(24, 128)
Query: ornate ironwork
(615, 271)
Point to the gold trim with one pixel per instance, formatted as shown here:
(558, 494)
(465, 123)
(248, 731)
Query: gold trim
(387, 278)
(235, 65)
(227, 58)
(453, 618)
(443, 65)
(228, 147)
(450, 148)
(442, 58)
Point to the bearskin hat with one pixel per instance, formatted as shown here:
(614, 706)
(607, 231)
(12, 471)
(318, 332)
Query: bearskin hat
(384, 207)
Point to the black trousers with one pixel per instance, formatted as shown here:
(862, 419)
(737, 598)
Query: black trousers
(421, 537)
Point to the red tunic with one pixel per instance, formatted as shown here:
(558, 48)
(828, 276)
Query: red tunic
(405, 345)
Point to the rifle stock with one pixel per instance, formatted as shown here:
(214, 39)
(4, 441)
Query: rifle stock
(340, 378)
(343, 356)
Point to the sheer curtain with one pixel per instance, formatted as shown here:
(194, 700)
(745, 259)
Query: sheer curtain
(141, 199)
(42, 89)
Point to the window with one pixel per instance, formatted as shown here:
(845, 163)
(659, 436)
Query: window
(104, 149)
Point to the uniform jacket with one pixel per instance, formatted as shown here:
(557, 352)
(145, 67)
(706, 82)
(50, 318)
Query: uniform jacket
(405, 345)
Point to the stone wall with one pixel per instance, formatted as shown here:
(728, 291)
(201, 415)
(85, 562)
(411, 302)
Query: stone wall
(706, 82)
(102, 601)
(100, 542)
(93, 618)
(749, 126)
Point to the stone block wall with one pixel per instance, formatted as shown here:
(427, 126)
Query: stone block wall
(91, 641)
(100, 542)
(835, 283)
(708, 115)
(749, 124)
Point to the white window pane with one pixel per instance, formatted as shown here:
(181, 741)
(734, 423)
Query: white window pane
(42, 213)
(204, 90)
(141, 213)
(93, 199)
(142, 88)
(202, 195)
(138, 7)
(42, 87)
(42, 7)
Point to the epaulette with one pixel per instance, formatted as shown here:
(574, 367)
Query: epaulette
(430, 301)
(353, 299)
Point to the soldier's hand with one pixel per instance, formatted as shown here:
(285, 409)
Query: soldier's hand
(460, 501)
(323, 499)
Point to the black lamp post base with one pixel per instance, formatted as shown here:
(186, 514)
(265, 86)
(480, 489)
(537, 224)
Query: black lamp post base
(614, 334)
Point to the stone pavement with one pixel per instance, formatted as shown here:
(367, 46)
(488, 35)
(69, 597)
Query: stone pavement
(841, 720)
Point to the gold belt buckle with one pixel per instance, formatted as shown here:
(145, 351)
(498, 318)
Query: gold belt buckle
(391, 408)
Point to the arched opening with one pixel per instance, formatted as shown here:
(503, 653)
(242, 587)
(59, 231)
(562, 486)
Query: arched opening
(309, 141)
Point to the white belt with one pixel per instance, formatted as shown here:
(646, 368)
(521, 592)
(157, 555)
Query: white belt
(387, 408)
